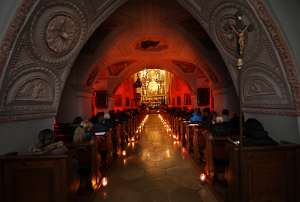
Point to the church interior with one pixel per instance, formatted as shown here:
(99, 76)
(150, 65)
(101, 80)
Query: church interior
(149, 100)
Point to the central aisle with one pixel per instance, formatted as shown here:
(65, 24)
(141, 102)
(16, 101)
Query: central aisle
(154, 170)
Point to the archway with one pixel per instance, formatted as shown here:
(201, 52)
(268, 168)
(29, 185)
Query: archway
(270, 87)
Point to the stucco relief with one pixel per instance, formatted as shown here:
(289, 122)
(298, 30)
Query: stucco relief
(57, 31)
(281, 47)
(117, 68)
(32, 88)
(264, 88)
(32, 93)
(222, 19)
(53, 53)
(12, 32)
(185, 67)
(36, 90)
(61, 31)
(259, 87)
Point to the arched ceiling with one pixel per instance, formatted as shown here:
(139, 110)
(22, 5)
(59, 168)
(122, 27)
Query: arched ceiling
(36, 59)
(155, 34)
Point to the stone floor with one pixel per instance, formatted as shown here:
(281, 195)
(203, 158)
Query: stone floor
(154, 170)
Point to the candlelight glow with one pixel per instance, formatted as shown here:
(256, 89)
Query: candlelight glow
(104, 181)
(124, 153)
(124, 162)
(95, 183)
(168, 153)
(202, 177)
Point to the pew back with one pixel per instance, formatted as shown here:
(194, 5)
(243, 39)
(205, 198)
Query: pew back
(269, 173)
(35, 178)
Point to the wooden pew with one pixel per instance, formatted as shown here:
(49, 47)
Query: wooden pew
(184, 133)
(269, 173)
(104, 144)
(116, 140)
(190, 136)
(89, 161)
(38, 178)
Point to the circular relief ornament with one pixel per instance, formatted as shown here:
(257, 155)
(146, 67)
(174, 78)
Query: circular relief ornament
(60, 34)
(222, 21)
(57, 32)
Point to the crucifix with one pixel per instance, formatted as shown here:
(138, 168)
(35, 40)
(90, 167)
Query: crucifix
(240, 30)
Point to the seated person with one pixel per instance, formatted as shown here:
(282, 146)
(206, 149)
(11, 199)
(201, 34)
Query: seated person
(83, 132)
(225, 115)
(206, 114)
(47, 144)
(108, 121)
(196, 116)
(213, 117)
(100, 126)
(255, 134)
(234, 122)
(77, 121)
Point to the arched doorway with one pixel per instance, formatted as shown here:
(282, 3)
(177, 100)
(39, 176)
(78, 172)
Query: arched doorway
(38, 57)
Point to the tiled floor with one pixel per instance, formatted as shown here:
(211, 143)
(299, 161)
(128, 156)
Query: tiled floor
(154, 170)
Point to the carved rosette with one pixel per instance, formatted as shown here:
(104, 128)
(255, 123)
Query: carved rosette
(222, 19)
(33, 90)
(57, 32)
(264, 88)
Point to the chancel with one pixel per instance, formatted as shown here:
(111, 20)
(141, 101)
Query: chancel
(149, 100)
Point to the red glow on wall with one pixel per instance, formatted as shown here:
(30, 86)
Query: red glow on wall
(177, 89)
(94, 109)
(212, 104)
(126, 91)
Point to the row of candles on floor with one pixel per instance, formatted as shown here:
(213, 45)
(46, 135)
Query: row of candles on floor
(168, 129)
(176, 142)
(96, 182)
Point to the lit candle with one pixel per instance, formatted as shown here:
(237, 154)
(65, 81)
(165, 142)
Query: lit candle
(104, 181)
(202, 177)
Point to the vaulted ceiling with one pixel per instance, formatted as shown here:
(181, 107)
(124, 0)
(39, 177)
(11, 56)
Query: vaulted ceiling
(155, 34)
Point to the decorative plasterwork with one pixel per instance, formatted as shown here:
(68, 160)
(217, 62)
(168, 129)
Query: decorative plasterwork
(117, 68)
(57, 31)
(221, 21)
(281, 48)
(51, 45)
(264, 88)
(93, 75)
(186, 67)
(12, 32)
(35, 90)
(151, 45)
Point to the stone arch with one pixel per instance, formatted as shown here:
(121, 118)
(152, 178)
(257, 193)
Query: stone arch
(16, 48)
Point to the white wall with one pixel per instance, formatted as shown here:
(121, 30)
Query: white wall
(225, 99)
(19, 136)
(74, 103)
(279, 127)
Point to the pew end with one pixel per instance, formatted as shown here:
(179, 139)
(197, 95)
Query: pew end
(269, 173)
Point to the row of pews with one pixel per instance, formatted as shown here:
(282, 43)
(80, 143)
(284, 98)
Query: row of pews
(55, 178)
(260, 174)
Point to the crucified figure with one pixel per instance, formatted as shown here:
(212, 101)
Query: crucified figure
(240, 30)
(241, 39)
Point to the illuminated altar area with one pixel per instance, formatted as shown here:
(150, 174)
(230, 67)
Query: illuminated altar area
(154, 88)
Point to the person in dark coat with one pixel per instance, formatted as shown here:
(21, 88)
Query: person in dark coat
(255, 134)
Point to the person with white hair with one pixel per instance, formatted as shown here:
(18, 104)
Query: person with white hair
(80, 133)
